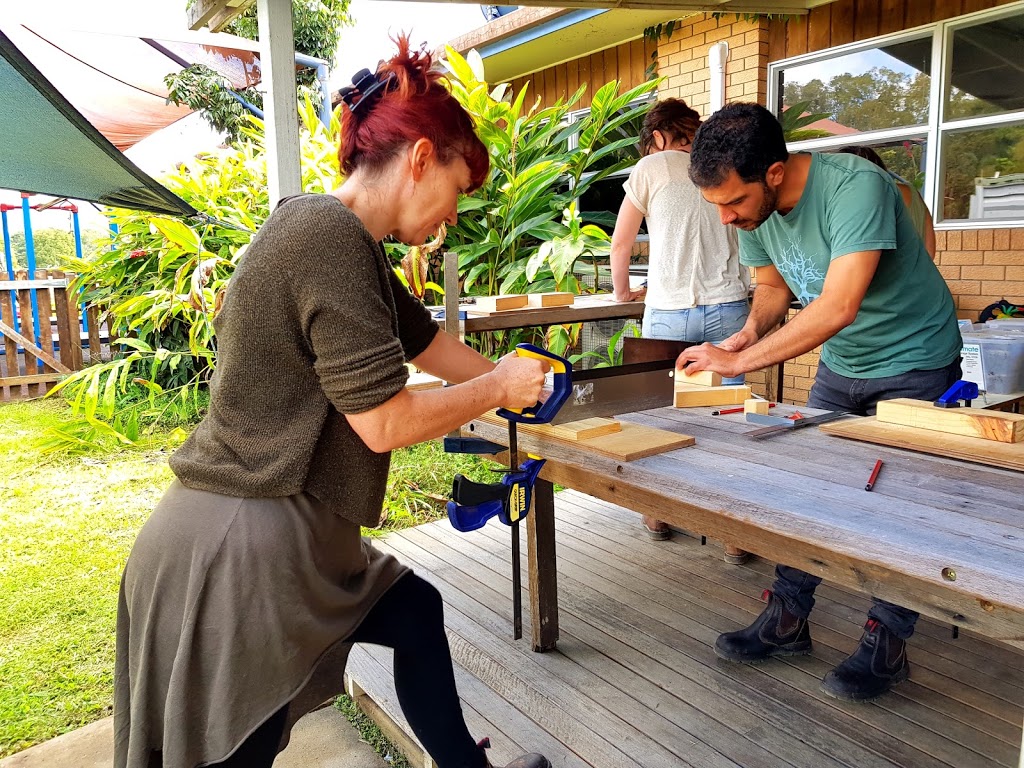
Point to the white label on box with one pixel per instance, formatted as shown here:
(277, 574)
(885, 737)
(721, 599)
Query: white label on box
(971, 364)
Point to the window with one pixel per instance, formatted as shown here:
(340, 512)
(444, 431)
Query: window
(600, 203)
(956, 87)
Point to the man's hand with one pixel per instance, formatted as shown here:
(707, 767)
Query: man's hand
(708, 357)
(739, 341)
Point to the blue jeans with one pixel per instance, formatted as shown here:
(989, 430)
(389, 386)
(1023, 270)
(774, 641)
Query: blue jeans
(860, 396)
(709, 322)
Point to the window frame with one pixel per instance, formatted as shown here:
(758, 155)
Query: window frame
(938, 126)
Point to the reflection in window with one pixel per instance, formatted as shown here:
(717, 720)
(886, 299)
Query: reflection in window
(988, 69)
(984, 174)
(874, 89)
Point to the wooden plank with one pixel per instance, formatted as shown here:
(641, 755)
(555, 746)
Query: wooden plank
(867, 19)
(637, 61)
(31, 348)
(969, 422)
(584, 429)
(796, 36)
(551, 299)
(501, 303)
(869, 429)
(819, 32)
(891, 17)
(95, 343)
(947, 9)
(36, 378)
(583, 67)
(39, 283)
(624, 66)
(27, 326)
(842, 22)
(701, 379)
(541, 557)
(696, 395)
(7, 315)
(67, 334)
(45, 306)
(631, 442)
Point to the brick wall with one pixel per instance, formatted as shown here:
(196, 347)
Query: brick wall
(683, 60)
(982, 266)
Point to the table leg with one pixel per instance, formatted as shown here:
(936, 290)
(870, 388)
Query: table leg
(540, 538)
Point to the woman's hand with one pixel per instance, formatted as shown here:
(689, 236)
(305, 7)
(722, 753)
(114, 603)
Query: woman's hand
(519, 379)
(630, 295)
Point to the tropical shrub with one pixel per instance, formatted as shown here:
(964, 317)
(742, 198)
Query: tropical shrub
(521, 232)
(161, 283)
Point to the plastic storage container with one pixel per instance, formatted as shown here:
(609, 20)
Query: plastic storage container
(1002, 360)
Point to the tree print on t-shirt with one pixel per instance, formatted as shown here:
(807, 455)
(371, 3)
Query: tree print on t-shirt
(804, 278)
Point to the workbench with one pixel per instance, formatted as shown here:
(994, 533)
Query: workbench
(942, 537)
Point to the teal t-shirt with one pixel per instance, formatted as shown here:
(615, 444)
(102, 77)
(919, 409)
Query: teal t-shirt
(907, 320)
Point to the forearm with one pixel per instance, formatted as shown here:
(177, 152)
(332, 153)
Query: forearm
(448, 358)
(811, 327)
(414, 417)
(620, 256)
(768, 308)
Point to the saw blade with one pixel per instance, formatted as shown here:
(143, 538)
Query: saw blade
(610, 391)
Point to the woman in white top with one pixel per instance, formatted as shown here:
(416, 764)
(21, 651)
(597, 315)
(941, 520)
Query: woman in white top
(696, 288)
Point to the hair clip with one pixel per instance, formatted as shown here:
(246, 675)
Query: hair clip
(366, 89)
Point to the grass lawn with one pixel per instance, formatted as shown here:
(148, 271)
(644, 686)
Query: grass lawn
(66, 527)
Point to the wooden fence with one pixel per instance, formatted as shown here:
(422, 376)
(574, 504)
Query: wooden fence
(31, 362)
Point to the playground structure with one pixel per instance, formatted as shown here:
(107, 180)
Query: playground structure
(43, 328)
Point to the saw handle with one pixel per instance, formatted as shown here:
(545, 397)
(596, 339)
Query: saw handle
(545, 409)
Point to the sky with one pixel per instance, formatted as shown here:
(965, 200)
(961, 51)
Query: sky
(361, 45)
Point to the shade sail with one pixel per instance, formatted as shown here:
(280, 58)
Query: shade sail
(49, 147)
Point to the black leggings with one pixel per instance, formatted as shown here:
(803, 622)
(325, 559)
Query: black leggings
(409, 617)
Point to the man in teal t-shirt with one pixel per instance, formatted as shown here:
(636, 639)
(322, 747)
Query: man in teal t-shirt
(833, 232)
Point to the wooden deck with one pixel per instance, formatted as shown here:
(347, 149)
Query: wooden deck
(635, 681)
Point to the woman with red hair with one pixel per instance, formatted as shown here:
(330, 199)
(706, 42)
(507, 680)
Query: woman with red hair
(249, 582)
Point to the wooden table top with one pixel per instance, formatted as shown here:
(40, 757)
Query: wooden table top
(940, 536)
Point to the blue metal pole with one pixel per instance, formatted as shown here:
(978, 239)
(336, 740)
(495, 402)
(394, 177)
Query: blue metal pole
(30, 262)
(78, 233)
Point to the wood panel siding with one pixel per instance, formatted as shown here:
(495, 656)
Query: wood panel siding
(626, 62)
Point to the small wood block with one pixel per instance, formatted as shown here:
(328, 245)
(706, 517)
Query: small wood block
(695, 395)
(584, 429)
(970, 422)
(499, 303)
(704, 378)
(552, 299)
(753, 405)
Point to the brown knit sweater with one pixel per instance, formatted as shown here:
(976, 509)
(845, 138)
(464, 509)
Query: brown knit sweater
(314, 325)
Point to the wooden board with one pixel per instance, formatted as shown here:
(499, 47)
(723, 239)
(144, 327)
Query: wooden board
(501, 303)
(759, 407)
(552, 299)
(696, 395)
(584, 429)
(631, 442)
(870, 430)
(972, 422)
(703, 379)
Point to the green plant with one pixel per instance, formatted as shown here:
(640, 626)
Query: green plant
(794, 121)
(652, 35)
(160, 286)
(612, 354)
(541, 164)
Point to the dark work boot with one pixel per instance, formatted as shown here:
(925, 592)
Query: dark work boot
(876, 666)
(776, 632)
(532, 760)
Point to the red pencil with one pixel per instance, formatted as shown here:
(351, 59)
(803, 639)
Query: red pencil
(874, 475)
(738, 409)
